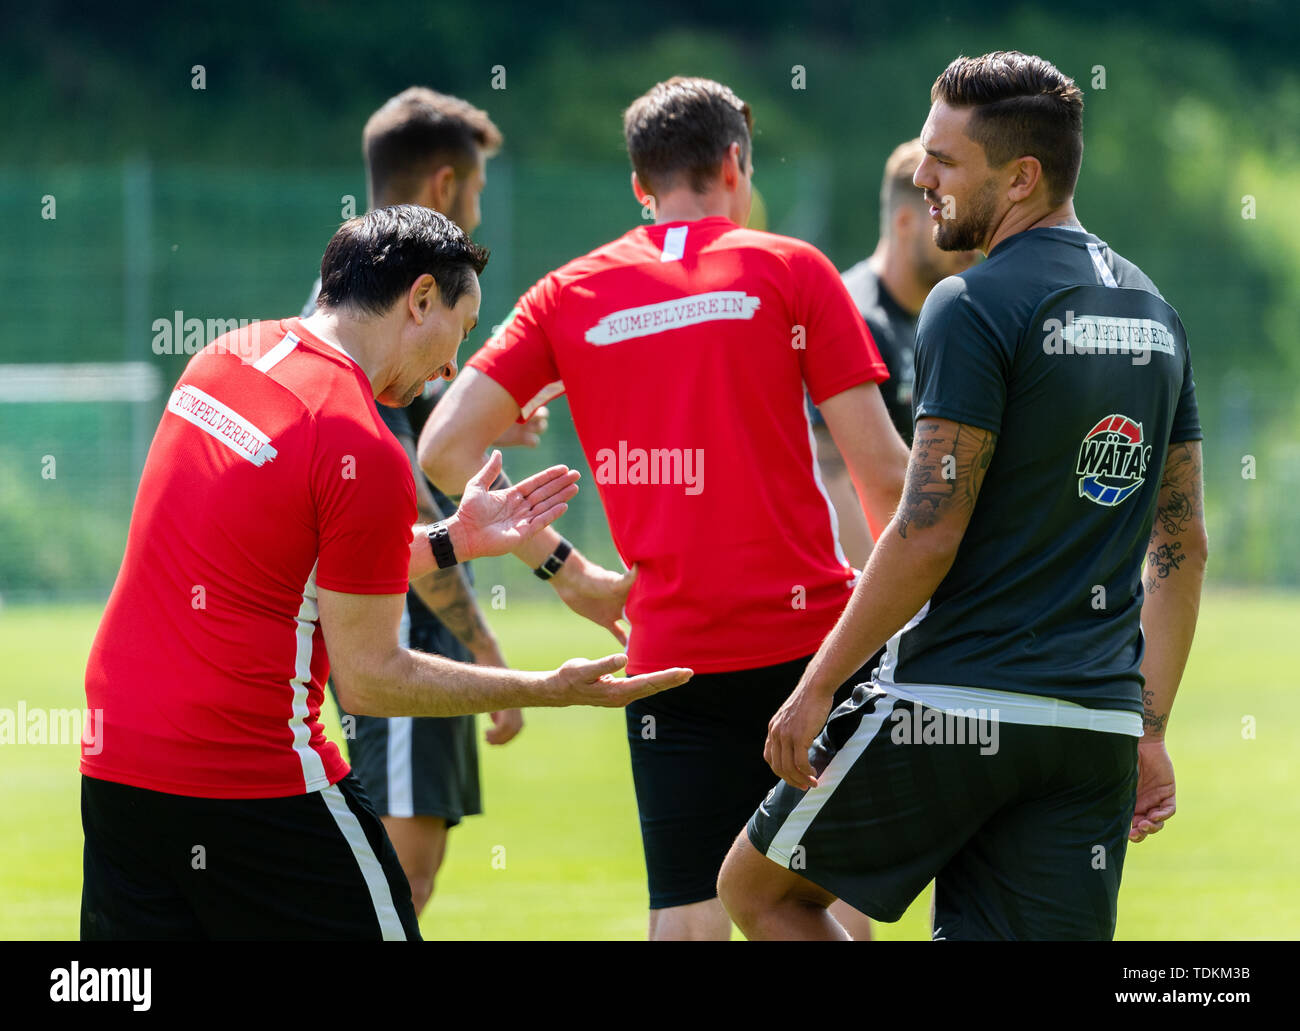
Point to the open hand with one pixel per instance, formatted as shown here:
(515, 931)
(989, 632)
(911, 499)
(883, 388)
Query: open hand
(592, 682)
(494, 522)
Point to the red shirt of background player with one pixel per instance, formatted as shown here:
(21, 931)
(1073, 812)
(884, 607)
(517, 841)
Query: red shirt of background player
(684, 349)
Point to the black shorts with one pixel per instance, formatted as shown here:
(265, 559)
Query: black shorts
(418, 766)
(698, 768)
(1023, 828)
(315, 866)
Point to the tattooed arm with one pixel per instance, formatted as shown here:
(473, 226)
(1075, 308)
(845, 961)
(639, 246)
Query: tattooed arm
(1175, 567)
(1174, 570)
(912, 557)
(448, 594)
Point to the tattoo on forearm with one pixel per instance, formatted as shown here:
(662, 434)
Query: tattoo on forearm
(1175, 516)
(947, 468)
(449, 596)
(1160, 563)
(1180, 491)
(1152, 720)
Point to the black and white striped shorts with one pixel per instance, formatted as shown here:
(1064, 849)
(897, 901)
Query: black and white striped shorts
(172, 867)
(1023, 828)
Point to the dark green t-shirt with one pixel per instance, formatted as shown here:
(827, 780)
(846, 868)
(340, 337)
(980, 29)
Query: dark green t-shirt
(1070, 355)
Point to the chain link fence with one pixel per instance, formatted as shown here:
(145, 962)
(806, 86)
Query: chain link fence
(117, 274)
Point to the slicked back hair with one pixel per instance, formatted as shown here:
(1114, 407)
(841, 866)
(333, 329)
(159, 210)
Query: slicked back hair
(373, 260)
(1023, 106)
(417, 132)
(683, 127)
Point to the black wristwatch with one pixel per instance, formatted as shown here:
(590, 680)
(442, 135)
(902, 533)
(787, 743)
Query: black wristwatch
(440, 542)
(553, 563)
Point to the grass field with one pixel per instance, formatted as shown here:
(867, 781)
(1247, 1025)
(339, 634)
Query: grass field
(562, 816)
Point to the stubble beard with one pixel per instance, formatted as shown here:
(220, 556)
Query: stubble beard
(969, 233)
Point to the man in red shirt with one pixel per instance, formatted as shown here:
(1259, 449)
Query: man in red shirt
(684, 348)
(273, 525)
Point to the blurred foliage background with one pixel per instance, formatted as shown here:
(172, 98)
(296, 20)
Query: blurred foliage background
(217, 202)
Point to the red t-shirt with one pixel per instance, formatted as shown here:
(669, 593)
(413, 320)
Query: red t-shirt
(270, 475)
(684, 349)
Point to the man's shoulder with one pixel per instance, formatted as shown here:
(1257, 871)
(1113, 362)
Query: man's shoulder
(630, 248)
(799, 256)
(317, 380)
(863, 286)
(1127, 274)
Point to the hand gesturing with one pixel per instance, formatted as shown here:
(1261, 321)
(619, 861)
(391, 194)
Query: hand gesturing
(494, 522)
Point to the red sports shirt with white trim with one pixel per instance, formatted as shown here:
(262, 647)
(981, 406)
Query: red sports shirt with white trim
(684, 349)
(270, 475)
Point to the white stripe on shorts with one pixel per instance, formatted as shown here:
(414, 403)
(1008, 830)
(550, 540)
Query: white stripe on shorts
(371, 869)
(401, 793)
(806, 809)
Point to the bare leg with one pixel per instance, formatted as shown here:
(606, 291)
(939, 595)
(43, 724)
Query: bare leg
(700, 921)
(857, 924)
(769, 902)
(421, 845)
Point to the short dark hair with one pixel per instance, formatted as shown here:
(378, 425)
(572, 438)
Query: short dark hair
(416, 132)
(1023, 106)
(373, 260)
(684, 126)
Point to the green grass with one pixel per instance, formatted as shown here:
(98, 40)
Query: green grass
(562, 815)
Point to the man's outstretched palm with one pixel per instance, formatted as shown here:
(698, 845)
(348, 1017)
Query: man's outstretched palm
(494, 522)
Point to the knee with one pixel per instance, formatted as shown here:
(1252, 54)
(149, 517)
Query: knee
(739, 891)
(421, 892)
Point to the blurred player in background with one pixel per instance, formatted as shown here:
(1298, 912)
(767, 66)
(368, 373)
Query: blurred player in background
(427, 148)
(1012, 742)
(889, 288)
(684, 348)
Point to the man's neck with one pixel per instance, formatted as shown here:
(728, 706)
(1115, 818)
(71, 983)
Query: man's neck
(1016, 221)
(686, 205)
(350, 336)
(898, 278)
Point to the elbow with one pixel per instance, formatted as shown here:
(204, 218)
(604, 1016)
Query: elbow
(433, 452)
(932, 549)
(897, 478)
(358, 693)
(349, 698)
(427, 450)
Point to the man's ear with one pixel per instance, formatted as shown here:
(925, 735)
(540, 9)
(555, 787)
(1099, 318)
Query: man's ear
(1026, 173)
(903, 221)
(639, 191)
(439, 190)
(423, 298)
(733, 166)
